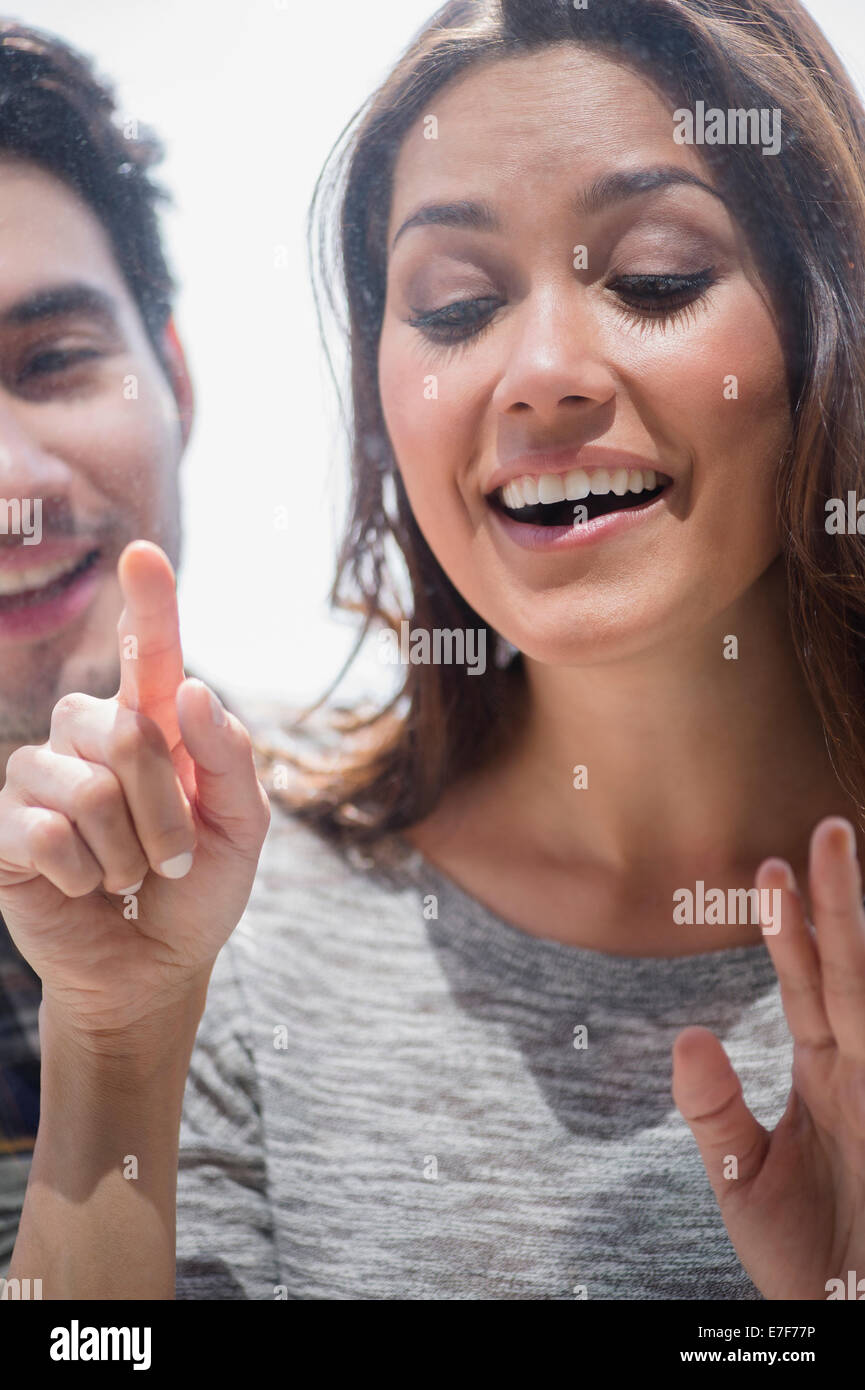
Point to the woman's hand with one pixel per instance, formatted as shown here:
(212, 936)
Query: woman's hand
(138, 787)
(795, 1211)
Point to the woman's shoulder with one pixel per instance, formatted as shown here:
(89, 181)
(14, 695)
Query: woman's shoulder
(299, 848)
(307, 849)
(325, 892)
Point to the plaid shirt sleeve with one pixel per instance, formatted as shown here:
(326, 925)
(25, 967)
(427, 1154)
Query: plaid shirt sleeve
(20, 996)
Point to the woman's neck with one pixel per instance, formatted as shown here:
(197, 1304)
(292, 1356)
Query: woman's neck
(627, 780)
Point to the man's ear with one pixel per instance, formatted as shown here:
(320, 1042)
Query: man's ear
(178, 375)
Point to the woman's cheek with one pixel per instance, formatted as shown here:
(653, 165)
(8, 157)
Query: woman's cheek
(718, 396)
(419, 416)
(746, 433)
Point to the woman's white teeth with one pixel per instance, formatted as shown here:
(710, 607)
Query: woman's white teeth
(574, 486)
(33, 577)
(619, 482)
(551, 488)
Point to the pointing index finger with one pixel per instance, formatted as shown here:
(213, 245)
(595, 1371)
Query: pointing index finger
(151, 658)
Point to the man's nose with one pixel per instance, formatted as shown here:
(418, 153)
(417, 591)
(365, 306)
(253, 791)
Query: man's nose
(28, 467)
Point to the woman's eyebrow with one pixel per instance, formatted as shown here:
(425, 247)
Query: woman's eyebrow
(480, 217)
(630, 183)
(603, 193)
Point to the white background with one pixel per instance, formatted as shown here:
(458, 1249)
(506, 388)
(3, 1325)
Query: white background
(248, 98)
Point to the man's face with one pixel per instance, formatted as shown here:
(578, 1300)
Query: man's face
(90, 428)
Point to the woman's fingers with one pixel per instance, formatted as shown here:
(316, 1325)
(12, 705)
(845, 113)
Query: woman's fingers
(91, 798)
(708, 1093)
(134, 748)
(836, 894)
(794, 955)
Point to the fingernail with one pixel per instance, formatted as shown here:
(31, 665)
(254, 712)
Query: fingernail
(217, 709)
(849, 837)
(178, 867)
(122, 892)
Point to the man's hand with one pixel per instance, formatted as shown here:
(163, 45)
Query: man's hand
(151, 794)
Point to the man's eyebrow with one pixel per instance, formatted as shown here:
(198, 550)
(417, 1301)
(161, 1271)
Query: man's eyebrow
(55, 301)
(603, 193)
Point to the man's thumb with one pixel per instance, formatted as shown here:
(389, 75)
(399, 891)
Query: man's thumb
(230, 799)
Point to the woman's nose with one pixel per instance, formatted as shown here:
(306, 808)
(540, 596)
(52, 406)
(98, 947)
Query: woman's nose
(553, 355)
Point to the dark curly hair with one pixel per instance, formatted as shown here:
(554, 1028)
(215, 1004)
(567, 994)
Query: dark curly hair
(56, 112)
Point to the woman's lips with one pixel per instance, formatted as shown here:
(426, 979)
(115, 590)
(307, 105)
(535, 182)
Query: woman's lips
(40, 593)
(559, 462)
(590, 532)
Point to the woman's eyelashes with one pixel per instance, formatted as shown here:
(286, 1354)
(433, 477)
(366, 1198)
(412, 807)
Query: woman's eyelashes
(665, 297)
(456, 322)
(643, 297)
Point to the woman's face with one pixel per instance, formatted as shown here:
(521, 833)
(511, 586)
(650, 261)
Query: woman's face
(509, 354)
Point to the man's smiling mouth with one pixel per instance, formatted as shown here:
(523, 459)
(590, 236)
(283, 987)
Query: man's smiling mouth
(579, 495)
(24, 588)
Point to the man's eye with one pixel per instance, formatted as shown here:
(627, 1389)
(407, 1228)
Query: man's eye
(657, 295)
(456, 322)
(55, 360)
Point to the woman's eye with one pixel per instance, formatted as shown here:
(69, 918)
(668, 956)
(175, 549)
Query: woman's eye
(456, 322)
(660, 295)
(650, 295)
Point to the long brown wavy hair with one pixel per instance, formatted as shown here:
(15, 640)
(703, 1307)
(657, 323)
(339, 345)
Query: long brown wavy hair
(803, 212)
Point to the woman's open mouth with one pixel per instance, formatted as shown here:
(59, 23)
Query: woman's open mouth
(556, 508)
